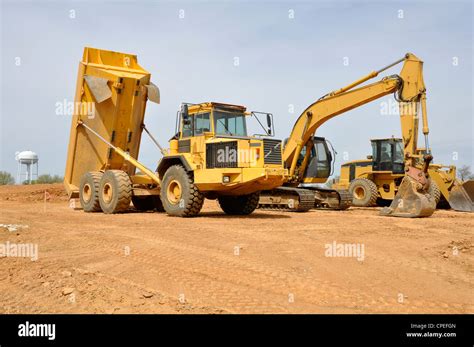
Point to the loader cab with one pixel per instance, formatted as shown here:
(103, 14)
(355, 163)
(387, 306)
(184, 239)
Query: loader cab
(387, 155)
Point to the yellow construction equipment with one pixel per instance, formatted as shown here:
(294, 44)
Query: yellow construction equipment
(211, 155)
(304, 190)
(414, 200)
(379, 178)
(376, 180)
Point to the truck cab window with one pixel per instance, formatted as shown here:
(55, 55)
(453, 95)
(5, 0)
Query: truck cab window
(202, 123)
(188, 128)
(230, 123)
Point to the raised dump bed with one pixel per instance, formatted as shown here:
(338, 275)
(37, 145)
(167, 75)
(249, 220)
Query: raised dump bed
(111, 94)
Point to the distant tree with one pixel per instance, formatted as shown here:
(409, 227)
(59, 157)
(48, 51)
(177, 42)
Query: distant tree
(6, 178)
(465, 173)
(47, 178)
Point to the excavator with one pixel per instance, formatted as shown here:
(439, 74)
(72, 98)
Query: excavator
(413, 198)
(304, 190)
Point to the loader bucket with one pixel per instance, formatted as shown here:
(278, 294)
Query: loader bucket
(461, 197)
(411, 201)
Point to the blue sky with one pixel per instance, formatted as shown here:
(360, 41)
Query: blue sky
(282, 61)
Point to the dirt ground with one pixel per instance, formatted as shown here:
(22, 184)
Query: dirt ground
(268, 262)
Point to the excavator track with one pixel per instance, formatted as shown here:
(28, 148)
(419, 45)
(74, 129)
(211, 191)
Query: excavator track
(345, 199)
(304, 199)
(287, 199)
(331, 199)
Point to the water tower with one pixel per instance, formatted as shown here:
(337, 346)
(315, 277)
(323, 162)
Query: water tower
(26, 159)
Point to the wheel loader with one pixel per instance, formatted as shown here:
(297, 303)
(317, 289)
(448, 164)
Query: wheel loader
(203, 161)
(375, 181)
(414, 200)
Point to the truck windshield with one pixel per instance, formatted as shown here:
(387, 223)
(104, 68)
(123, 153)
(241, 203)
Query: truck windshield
(229, 123)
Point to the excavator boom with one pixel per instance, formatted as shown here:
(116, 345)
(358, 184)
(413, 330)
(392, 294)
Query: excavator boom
(410, 90)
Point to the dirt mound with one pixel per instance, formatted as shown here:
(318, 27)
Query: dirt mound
(34, 192)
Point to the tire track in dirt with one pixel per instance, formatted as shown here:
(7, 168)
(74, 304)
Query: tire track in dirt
(280, 255)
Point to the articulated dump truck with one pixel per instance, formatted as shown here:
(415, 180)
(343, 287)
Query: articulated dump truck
(202, 162)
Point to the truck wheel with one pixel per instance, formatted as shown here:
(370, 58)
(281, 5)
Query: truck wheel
(239, 205)
(147, 203)
(364, 192)
(115, 191)
(179, 195)
(89, 191)
(434, 191)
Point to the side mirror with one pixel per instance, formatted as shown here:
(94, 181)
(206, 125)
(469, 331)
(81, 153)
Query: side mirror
(370, 157)
(185, 114)
(269, 124)
(269, 120)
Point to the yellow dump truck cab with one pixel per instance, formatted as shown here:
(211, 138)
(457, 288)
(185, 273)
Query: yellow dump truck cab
(212, 156)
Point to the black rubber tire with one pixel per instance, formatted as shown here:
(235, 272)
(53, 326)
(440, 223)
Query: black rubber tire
(191, 201)
(90, 180)
(434, 191)
(239, 205)
(121, 193)
(158, 204)
(147, 203)
(370, 192)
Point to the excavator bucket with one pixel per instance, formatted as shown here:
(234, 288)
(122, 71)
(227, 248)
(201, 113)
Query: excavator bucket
(411, 201)
(461, 197)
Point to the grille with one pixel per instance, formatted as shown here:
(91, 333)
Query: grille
(272, 151)
(221, 155)
(184, 146)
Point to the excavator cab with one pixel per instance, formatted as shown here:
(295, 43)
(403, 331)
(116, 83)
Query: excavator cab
(321, 158)
(387, 155)
(319, 166)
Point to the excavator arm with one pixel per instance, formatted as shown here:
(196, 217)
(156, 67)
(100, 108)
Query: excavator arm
(410, 92)
(409, 89)
(325, 109)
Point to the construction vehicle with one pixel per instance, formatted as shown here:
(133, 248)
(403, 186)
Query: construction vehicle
(203, 159)
(375, 181)
(414, 199)
(305, 191)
